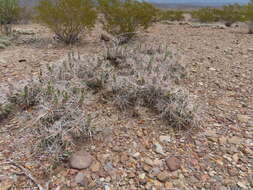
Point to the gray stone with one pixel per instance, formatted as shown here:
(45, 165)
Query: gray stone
(81, 179)
(80, 160)
(164, 139)
(159, 149)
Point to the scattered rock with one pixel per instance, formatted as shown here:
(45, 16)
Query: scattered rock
(235, 140)
(159, 149)
(164, 139)
(136, 155)
(235, 157)
(80, 160)
(243, 118)
(232, 171)
(242, 184)
(81, 179)
(148, 161)
(222, 140)
(146, 168)
(173, 163)
(95, 167)
(168, 185)
(163, 176)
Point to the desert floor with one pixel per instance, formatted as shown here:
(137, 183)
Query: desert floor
(217, 156)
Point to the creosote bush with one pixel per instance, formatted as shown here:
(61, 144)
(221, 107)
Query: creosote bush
(67, 18)
(231, 14)
(248, 11)
(206, 15)
(123, 18)
(9, 13)
(170, 15)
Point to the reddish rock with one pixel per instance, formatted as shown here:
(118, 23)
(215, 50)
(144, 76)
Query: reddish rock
(173, 163)
(80, 160)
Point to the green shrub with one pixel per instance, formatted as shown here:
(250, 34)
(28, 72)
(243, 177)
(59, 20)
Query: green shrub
(171, 15)
(206, 15)
(231, 14)
(122, 18)
(9, 12)
(248, 12)
(67, 18)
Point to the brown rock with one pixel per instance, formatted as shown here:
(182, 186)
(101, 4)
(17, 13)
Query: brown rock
(80, 160)
(163, 176)
(173, 163)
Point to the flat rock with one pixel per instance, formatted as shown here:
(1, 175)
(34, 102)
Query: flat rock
(164, 139)
(148, 161)
(173, 163)
(235, 140)
(80, 160)
(163, 176)
(159, 149)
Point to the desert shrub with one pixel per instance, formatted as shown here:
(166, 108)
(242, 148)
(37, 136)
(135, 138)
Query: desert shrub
(123, 18)
(206, 15)
(67, 18)
(248, 12)
(231, 14)
(9, 13)
(171, 15)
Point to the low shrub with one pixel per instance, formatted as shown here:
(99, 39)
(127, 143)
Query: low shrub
(231, 14)
(206, 15)
(123, 18)
(248, 12)
(170, 15)
(67, 18)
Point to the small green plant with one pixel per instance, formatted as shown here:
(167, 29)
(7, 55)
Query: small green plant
(231, 14)
(123, 18)
(9, 13)
(67, 18)
(207, 15)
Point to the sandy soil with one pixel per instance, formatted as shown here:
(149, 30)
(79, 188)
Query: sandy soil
(219, 157)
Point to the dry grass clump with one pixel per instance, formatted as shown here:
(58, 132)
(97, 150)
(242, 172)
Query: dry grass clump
(55, 101)
(149, 77)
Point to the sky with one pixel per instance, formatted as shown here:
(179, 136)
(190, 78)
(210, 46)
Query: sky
(215, 2)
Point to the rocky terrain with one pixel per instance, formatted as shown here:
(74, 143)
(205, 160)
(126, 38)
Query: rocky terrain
(131, 153)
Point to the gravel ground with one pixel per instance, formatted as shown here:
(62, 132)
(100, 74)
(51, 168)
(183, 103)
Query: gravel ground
(141, 153)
